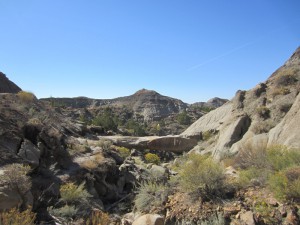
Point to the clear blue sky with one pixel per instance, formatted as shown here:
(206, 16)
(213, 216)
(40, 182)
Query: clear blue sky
(188, 49)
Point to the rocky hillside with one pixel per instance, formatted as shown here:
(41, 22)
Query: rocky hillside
(6, 86)
(149, 105)
(268, 113)
(145, 107)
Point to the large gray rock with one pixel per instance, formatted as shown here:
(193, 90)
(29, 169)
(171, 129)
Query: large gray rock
(149, 219)
(177, 144)
(30, 153)
(248, 218)
(214, 120)
(9, 198)
(172, 143)
(287, 131)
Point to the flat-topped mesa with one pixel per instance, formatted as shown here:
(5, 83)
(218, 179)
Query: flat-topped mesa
(7, 86)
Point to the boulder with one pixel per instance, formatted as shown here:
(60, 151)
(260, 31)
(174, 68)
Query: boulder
(9, 198)
(175, 144)
(248, 218)
(30, 153)
(172, 143)
(149, 219)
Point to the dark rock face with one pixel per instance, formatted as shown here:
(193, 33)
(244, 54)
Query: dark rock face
(6, 86)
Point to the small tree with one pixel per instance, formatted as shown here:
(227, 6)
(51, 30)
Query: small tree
(183, 118)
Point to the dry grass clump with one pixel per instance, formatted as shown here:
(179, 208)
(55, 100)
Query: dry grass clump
(93, 162)
(263, 112)
(98, 218)
(151, 195)
(15, 177)
(26, 96)
(287, 77)
(279, 91)
(15, 217)
(263, 127)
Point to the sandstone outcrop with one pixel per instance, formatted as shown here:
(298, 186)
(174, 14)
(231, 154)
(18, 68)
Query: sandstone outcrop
(176, 144)
(268, 113)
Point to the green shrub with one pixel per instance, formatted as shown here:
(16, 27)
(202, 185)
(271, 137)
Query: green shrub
(183, 118)
(286, 184)
(202, 176)
(135, 128)
(252, 177)
(151, 195)
(280, 157)
(124, 152)
(15, 217)
(206, 135)
(71, 193)
(66, 212)
(107, 120)
(26, 96)
(152, 158)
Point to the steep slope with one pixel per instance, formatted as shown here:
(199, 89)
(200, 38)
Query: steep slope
(268, 113)
(6, 86)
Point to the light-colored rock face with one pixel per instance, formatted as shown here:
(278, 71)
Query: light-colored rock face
(287, 131)
(175, 144)
(149, 219)
(214, 120)
(30, 153)
(250, 116)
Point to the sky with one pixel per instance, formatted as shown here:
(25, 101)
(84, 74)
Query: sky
(192, 50)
